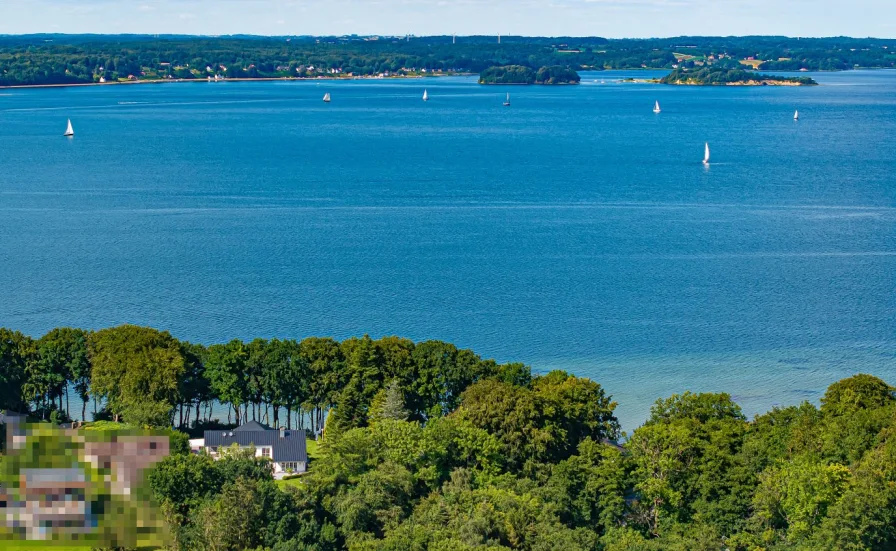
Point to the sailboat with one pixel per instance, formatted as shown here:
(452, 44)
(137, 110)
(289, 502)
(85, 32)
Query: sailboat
(69, 131)
(706, 155)
(327, 97)
(796, 115)
(425, 95)
(507, 101)
(656, 108)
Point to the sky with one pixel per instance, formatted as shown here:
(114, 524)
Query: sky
(609, 18)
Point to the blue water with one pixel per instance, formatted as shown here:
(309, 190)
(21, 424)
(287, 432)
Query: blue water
(574, 230)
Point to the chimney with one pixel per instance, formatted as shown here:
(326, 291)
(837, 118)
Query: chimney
(282, 432)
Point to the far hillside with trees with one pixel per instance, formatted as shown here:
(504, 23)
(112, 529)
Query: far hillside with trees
(80, 59)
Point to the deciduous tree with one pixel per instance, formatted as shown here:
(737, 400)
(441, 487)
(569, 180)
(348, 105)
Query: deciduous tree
(136, 370)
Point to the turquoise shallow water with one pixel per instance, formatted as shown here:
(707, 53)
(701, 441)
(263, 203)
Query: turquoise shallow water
(575, 229)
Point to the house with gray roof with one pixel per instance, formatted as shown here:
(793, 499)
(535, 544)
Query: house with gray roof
(284, 447)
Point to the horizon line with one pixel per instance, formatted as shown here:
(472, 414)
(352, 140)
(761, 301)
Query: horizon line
(403, 36)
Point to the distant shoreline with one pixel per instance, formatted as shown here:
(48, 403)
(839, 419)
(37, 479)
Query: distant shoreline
(205, 81)
(401, 77)
(754, 82)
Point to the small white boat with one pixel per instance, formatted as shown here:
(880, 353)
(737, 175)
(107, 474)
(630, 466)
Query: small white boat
(706, 155)
(796, 115)
(507, 101)
(327, 97)
(69, 131)
(656, 108)
(425, 95)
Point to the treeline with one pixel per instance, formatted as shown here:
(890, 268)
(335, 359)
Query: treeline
(430, 447)
(518, 74)
(147, 377)
(69, 59)
(508, 74)
(525, 465)
(556, 75)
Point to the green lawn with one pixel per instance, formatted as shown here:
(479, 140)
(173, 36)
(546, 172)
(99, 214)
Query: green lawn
(282, 484)
(29, 545)
(32, 545)
(51, 546)
(313, 450)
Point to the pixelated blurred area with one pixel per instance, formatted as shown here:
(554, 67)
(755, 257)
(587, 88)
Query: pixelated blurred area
(76, 486)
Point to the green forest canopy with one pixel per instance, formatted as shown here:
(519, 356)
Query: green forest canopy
(431, 447)
(518, 74)
(508, 74)
(72, 59)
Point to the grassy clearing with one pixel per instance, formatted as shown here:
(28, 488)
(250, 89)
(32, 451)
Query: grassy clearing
(752, 63)
(51, 546)
(296, 482)
(313, 447)
(29, 545)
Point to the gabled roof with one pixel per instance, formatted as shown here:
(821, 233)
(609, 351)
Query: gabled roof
(251, 426)
(288, 447)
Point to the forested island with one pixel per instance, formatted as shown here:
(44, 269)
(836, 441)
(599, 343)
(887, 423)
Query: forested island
(519, 74)
(52, 59)
(428, 446)
(730, 76)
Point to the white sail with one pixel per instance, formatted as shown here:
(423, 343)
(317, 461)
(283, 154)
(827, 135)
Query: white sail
(69, 131)
(656, 108)
(425, 96)
(507, 101)
(706, 155)
(796, 115)
(327, 97)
